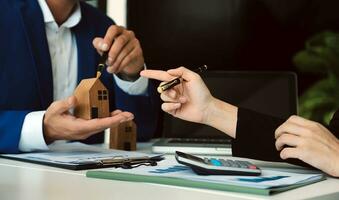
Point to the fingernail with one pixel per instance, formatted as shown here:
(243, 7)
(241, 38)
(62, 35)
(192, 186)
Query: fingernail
(104, 47)
(69, 101)
(110, 70)
(109, 61)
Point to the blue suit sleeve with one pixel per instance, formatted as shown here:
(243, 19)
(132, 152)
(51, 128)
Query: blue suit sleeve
(10, 130)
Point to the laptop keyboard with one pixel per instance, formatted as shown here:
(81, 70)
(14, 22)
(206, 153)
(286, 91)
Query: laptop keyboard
(199, 141)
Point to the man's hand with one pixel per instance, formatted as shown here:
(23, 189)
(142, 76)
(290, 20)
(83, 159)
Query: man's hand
(125, 53)
(59, 124)
(310, 142)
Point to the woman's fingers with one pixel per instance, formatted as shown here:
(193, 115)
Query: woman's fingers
(290, 152)
(300, 121)
(291, 128)
(157, 75)
(170, 107)
(173, 96)
(287, 140)
(183, 72)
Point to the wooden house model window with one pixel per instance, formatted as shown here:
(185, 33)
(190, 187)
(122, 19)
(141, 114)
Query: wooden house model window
(102, 95)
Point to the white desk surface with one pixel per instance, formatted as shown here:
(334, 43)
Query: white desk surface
(20, 180)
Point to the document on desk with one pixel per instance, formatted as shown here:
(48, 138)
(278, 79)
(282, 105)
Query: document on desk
(169, 172)
(79, 156)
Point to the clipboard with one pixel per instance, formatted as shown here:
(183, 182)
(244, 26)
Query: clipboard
(78, 156)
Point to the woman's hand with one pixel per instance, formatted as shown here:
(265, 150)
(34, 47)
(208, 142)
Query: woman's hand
(189, 100)
(192, 101)
(310, 142)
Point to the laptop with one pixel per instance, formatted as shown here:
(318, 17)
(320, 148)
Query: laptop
(272, 93)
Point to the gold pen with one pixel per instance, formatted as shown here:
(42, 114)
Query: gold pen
(102, 63)
(166, 86)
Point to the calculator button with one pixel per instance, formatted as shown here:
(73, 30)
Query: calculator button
(224, 163)
(233, 163)
(241, 164)
(215, 162)
(247, 163)
(252, 167)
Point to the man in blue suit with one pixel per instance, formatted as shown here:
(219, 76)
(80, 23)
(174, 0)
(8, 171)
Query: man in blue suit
(47, 47)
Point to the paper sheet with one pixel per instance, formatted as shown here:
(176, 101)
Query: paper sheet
(269, 178)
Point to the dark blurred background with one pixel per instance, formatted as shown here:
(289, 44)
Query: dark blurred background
(244, 35)
(230, 34)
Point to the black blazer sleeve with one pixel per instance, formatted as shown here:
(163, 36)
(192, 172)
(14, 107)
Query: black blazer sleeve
(255, 136)
(334, 124)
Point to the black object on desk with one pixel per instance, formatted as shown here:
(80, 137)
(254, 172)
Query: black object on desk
(77, 156)
(126, 163)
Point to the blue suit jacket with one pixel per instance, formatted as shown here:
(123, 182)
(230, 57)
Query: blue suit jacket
(26, 75)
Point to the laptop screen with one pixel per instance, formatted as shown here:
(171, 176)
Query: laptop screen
(272, 93)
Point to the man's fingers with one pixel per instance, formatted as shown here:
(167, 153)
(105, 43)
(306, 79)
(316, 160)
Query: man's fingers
(62, 106)
(98, 43)
(157, 75)
(127, 49)
(118, 45)
(115, 112)
(104, 44)
(111, 34)
(130, 58)
(287, 139)
(100, 124)
(73, 128)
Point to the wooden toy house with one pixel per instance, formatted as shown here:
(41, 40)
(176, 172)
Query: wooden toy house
(92, 98)
(93, 102)
(123, 136)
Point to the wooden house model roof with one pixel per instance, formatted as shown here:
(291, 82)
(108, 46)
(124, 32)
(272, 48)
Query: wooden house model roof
(87, 84)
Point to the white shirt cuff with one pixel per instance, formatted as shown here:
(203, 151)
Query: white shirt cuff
(32, 137)
(137, 87)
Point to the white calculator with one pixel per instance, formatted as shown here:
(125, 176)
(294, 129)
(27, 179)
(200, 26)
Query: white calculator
(213, 166)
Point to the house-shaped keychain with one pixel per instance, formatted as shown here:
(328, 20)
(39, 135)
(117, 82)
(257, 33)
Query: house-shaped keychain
(93, 102)
(92, 96)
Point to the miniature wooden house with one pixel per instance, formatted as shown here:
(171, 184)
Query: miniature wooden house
(124, 136)
(92, 97)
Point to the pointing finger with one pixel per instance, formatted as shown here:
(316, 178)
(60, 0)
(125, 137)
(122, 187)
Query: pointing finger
(157, 75)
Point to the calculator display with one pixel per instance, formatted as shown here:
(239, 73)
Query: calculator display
(191, 157)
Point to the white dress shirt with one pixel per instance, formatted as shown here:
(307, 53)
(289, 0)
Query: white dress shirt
(64, 58)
